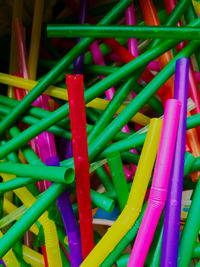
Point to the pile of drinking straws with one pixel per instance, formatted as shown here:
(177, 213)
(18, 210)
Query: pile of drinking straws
(100, 135)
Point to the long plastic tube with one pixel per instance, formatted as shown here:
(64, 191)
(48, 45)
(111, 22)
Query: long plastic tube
(158, 193)
(56, 174)
(132, 209)
(172, 212)
(123, 31)
(81, 161)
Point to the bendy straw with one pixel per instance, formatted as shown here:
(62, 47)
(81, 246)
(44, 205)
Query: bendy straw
(172, 212)
(132, 209)
(158, 193)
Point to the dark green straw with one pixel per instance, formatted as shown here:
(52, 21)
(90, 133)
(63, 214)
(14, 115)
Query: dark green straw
(14, 184)
(122, 31)
(30, 216)
(118, 178)
(190, 231)
(68, 59)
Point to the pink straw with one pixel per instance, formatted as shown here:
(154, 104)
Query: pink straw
(158, 193)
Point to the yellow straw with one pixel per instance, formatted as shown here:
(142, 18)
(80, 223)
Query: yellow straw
(9, 258)
(34, 258)
(136, 197)
(62, 94)
(35, 38)
(50, 234)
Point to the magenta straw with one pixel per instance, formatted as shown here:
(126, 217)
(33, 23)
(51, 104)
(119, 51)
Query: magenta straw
(130, 20)
(158, 193)
(170, 240)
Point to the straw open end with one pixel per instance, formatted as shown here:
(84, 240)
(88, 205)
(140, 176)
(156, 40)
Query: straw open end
(69, 176)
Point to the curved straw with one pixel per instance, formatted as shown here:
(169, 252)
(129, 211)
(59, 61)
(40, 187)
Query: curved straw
(159, 186)
(132, 209)
(172, 212)
(33, 257)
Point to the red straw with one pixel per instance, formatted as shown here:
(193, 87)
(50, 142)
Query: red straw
(81, 162)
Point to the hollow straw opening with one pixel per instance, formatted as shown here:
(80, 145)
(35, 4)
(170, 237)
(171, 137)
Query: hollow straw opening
(69, 176)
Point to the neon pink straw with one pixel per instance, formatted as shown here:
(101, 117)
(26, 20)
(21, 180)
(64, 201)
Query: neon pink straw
(158, 193)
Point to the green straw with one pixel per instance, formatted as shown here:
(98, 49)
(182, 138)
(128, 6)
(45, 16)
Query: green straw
(102, 201)
(14, 184)
(104, 178)
(4, 110)
(196, 251)
(118, 178)
(190, 231)
(31, 215)
(188, 162)
(68, 59)
(123, 31)
(50, 173)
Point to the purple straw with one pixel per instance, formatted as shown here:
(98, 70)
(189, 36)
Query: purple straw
(2, 262)
(71, 227)
(170, 241)
(83, 12)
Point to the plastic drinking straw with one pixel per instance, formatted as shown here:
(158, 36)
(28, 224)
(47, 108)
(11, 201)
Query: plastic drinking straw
(123, 31)
(9, 258)
(81, 162)
(16, 12)
(2, 263)
(151, 18)
(31, 215)
(82, 18)
(118, 178)
(130, 20)
(172, 212)
(32, 257)
(56, 174)
(65, 61)
(62, 94)
(134, 106)
(159, 186)
(132, 209)
(190, 231)
(117, 251)
(71, 227)
(35, 38)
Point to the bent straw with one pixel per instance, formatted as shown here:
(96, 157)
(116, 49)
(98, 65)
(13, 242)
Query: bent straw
(123, 31)
(172, 212)
(132, 209)
(159, 186)
(31, 215)
(127, 113)
(115, 254)
(32, 257)
(62, 94)
(56, 174)
(61, 65)
(81, 162)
